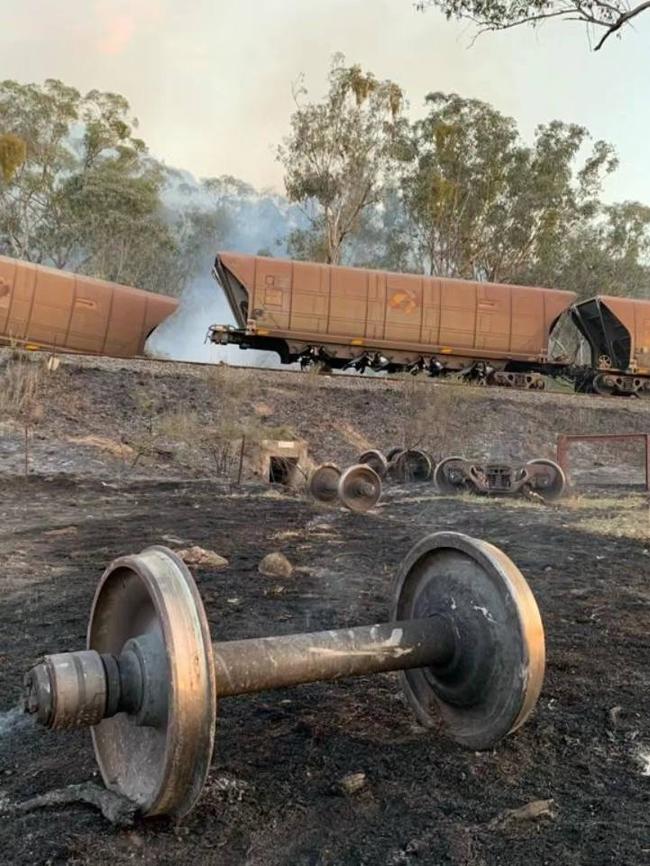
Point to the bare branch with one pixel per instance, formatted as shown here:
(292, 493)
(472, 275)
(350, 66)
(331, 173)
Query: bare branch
(624, 18)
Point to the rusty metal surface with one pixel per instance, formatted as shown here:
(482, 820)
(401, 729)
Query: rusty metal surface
(162, 768)
(541, 476)
(47, 308)
(324, 483)
(310, 303)
(376, 460)
(359, 488)
(411, 464)
(258, 664)
(564, 440)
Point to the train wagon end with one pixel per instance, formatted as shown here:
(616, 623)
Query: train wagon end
(617, 331)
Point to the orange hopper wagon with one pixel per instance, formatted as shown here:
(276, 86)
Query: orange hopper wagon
(45, 308)
(355, 317)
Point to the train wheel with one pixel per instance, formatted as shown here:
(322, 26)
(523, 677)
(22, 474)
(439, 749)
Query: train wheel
(376, 460)
(604, 384)
(450, 475)
(549, 483)
(411, 465)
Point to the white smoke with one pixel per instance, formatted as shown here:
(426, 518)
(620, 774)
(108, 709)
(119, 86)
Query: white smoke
(183, 336)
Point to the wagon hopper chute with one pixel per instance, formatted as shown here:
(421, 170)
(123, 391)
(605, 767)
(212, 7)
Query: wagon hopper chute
(617, 331)
(355, 317)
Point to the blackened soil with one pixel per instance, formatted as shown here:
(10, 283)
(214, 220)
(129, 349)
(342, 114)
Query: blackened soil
(270, 796)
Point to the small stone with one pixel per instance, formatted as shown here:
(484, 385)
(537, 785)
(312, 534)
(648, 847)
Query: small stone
(202, 558)
(532, 811)
(275, 565)
(351, 783)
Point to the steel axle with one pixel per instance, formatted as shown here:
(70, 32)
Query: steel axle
(466, 635)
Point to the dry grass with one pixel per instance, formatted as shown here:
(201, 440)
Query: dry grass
(621, 517)
(426, 411)
(21, 383)
(21, 395)
(207, 439)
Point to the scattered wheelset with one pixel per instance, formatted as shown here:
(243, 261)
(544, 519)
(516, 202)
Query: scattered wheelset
(358, 487)
(410, 464)
(465, 631)
(541, 476)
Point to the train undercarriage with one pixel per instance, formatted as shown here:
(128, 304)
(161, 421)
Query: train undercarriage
(521, 375)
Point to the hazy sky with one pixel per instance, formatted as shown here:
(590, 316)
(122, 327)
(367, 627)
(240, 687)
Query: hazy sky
(210, 80)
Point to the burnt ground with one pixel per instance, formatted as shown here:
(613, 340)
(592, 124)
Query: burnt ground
(426, 800)
(271, 797)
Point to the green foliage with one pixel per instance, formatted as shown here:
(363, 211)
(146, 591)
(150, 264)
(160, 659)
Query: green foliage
(602, 17)
(13, 152)
(609, 254)
(338, 155)
(483, 205)
(83, 194)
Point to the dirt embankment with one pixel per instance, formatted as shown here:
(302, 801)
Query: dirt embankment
(137, 417)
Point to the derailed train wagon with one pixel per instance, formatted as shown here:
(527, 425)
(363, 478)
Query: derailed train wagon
(364, 318)
(47, 308)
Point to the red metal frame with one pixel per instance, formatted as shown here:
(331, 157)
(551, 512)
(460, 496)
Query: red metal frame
(566, 439)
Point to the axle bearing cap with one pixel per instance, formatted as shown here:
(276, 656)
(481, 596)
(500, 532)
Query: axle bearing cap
(162, 766)
(67, 690)
(494, 679)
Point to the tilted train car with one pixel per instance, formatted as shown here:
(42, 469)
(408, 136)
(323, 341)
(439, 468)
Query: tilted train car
(358, 317)
(46, 308)
(618, 333)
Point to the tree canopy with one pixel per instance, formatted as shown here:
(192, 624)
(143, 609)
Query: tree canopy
(459, 193)
(78, 189)
(338, 153)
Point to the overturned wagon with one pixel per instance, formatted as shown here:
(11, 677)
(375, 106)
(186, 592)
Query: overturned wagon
(541, 476)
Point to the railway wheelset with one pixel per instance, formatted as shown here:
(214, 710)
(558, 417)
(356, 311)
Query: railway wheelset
(464, 632)
(359, 488)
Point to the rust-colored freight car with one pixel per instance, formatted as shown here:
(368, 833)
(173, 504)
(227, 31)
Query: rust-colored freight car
(46, 308)
(358, 317)
(618, 333)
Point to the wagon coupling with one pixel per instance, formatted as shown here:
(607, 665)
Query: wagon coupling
(465, 632)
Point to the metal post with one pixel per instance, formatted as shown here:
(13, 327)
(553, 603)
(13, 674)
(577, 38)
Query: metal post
(647, 461)
(258, 664)
(562, 447)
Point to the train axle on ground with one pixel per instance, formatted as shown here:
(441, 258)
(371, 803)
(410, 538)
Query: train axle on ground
(465, 633)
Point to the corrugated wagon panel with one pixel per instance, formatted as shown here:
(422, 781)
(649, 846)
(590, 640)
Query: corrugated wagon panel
(528, 337)
(20, 308)
(349, 302)
(457, 314)
(52, 303)
(310, 300)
